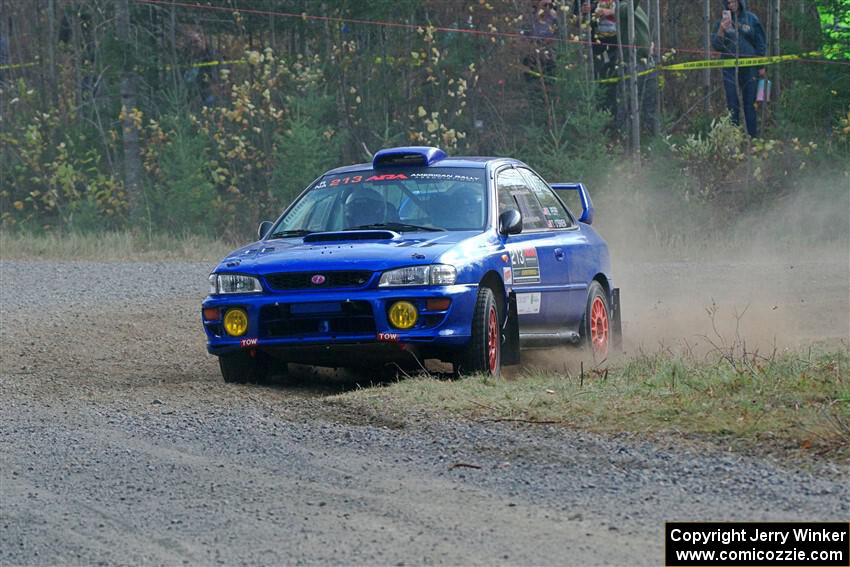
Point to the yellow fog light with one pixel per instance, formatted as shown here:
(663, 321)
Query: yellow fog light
(403, 315)
(236, 322)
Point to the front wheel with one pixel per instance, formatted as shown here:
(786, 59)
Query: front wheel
(484, 352)
(595, 328)
(243, 367)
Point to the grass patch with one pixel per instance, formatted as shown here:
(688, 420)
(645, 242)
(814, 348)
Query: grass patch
(110, 246)
(783, 403)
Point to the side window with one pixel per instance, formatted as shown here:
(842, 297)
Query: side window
(554, 213)
(513, 192)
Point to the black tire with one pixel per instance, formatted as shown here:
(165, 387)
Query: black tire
(596, 325)
(483, 354)
(244, 367)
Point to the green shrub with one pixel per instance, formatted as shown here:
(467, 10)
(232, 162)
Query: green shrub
(183, 197)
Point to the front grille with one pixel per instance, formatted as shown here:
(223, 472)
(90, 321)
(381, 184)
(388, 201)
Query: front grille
(317, 319)
(304, 280)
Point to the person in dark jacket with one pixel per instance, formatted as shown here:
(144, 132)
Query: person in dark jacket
(737, 34)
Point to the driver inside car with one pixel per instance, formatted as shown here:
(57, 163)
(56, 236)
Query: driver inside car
(365, 207)
(463, 210)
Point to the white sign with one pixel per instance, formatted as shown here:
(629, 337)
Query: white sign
(527, 303)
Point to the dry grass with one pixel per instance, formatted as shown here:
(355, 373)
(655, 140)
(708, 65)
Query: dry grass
(110, 246)
(783, 403)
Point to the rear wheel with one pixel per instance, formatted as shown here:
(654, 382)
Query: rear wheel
(244, 367)
(484, 352)
(595, 329)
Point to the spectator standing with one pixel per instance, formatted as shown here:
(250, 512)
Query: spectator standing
(739, 33)
(602, 19)
(544, 30)
(201, 75)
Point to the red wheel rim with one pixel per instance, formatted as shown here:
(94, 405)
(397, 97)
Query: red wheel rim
(599, 327)
(492, 340)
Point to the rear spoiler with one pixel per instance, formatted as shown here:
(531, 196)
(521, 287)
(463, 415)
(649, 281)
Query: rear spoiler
(588, 211)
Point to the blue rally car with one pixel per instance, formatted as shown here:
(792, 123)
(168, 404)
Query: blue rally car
(414, 256)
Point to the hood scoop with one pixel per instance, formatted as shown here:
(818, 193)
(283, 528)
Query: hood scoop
(348, 235)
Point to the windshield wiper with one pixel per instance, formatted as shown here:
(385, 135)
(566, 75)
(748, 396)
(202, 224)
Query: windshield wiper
(400, 226)
(296, 232)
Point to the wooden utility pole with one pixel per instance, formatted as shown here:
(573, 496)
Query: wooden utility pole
(634, 107)
(132, 156)
(706, 73)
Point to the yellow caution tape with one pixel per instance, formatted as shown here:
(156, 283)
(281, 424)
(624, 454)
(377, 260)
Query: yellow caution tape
(705, 64)
(200, 64)
(688, 66)
(212, 63)
(740, 62)
(18, 65)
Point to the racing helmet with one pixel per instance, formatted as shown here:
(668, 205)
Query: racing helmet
(364, 207)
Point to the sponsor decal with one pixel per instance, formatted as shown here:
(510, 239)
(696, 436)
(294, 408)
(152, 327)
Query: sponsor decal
(388, 337)
(507, 275)
(388, 177)
(447, 176)
(318, 279)
(527, 303)
(526, 265)
(247, 343)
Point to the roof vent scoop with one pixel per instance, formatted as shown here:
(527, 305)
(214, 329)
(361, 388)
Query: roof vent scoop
(411, 155)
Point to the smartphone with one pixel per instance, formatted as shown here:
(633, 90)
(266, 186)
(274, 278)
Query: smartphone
(727, 14)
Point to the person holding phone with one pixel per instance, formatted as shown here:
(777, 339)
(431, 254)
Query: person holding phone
(737, 34)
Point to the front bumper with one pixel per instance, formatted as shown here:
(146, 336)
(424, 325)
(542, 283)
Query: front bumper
(315, 321)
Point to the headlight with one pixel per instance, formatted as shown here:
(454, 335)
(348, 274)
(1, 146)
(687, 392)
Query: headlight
(233, 283)
(436, 274)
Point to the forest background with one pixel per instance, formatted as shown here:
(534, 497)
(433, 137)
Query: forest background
(166, 117)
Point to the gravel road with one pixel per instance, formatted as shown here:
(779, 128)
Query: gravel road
(120, 443)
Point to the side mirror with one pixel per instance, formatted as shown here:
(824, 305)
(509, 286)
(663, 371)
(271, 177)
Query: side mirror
(264, 229)
(510, 222)
(588, 211)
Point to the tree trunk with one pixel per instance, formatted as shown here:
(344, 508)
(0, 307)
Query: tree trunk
(622, 100)
(656, 123)
(51, 48)
(706, 73)
(589, 39)
(634, 107)
(776, 48)
(132, 155)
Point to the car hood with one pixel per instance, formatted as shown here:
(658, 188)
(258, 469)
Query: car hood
(342, 253)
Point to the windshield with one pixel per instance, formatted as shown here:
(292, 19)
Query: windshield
(402, 199)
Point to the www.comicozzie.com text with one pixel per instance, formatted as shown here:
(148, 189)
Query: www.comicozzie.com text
(755, 534)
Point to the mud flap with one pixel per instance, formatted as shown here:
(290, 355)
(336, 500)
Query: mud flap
(616, 321)
(510, 334)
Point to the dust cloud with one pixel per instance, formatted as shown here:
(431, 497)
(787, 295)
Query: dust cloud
(694, 278)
